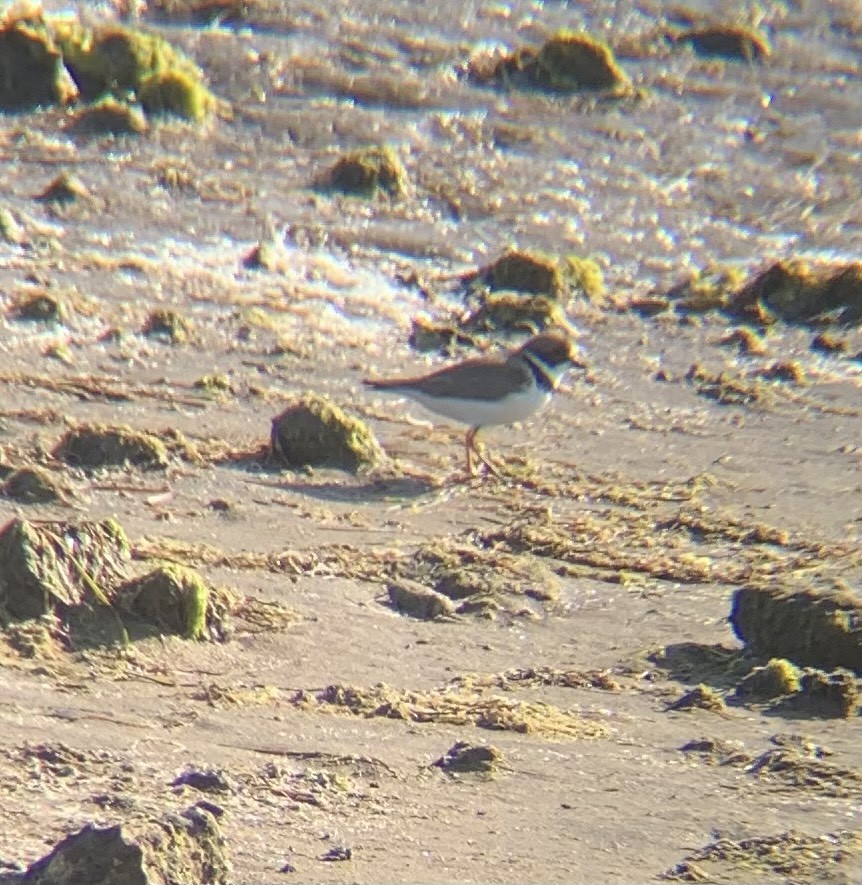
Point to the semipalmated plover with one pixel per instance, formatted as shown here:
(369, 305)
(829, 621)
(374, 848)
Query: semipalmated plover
(485, 391)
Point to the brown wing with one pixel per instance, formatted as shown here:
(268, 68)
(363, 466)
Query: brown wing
(474, 379)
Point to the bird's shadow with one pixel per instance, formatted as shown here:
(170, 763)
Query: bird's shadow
(345, 488)
(377, 489)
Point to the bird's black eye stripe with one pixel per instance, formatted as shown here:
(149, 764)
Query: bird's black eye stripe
(544, 380)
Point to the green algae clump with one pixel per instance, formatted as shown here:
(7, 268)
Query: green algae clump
(798, 291)
(53, 60)
(810, 628)
(463, 757)
(48, 564)
(109, 116)
(786, 857)
(522, 271)
(701, 697)
(426, 335)
(167, 324)
(832, 695)
(709, 288)
(535, 273)
(727, 41)
(365, 172)
(177, 92)
(512, 312)
(172, 598)
(33, 485)
(102, 445)
(38, 307)
(778, 677)
(184, 847)
(569, 61)
(31, 64)
(115, 59)
(65, 188)
(314, 432)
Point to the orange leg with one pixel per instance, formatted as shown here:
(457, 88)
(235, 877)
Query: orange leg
(469, 444)
(471, 447)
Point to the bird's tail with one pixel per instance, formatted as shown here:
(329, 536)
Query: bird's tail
(380, 384)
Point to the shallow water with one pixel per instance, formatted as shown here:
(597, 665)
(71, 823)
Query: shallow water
(715, 161)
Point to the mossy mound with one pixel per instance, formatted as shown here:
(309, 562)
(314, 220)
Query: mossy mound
(571, 61)
(710, 288)
(268, 255)
(413, 599)
(701, 697)
(77, 575)
(314, 432)
(791, 371)
(520, 291)
(789, 856)
(792, 290)
(65, 188)
(176, 600)
(726, 388)
(38, 307)
(426, 336)
(727, 41)
(177, 92)
(810, 628)
(102, 445)
(185, 847)
(801, 292)
(365, 172)
(510, 312)
(12, 231)
(215, 384)
(166, 323)
(34, 485)
(204, 12)
(118, 60)
(832, 695)
(535, 273)
(521, 271)
(463, 756)
(109, 117)
(48, 61)
(824, 342)
(774, 680)
(31, 63)
(45, 565)
(568, 62)
(747, 340)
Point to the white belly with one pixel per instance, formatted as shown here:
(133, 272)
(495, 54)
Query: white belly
(483, 413)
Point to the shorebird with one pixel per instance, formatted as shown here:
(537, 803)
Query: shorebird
(485, 391)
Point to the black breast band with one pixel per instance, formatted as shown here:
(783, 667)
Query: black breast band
(543, 380)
